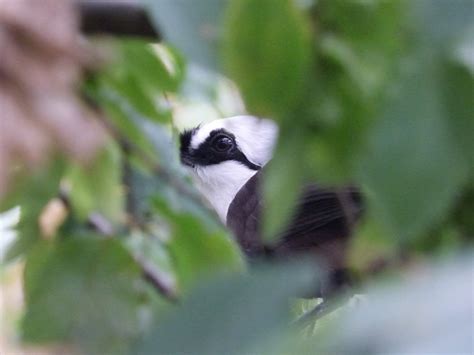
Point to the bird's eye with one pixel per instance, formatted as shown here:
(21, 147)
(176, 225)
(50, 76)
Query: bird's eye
(223, 144)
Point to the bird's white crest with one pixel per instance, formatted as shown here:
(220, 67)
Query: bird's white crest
(219, 183)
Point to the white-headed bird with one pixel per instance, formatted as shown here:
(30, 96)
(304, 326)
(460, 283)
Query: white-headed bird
(227, 159)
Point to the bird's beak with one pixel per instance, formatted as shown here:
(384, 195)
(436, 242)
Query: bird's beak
(186, 160)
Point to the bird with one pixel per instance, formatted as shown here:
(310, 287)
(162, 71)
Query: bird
(227, 159)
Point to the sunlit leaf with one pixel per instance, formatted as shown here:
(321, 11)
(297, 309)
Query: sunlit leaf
(143, 63)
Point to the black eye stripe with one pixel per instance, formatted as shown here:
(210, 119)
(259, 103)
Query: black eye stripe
(208, 154)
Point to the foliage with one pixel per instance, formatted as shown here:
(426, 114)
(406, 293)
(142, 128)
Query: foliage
(84, 273)
(121, 254)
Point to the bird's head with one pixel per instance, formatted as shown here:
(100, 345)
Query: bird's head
(224, 154)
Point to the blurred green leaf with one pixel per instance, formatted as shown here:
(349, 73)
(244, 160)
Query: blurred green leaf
(410, 315)
(413, 166)
(370, 249)
(32, 193)
(458, 91)
(130, 88)
(191, 26)
(83, 290)
(428, 312)
(358, 44)
(97, 187)
(135, 84)
(150, 249)
(197, 250)
(126, 119)
(143, 63)
(267, 52)
(231, 315)
(283, 178)
(141, 77)
(453, 40)
(452, 18)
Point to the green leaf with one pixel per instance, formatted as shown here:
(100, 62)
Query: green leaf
(82, 290)
(32, 193)
(97, 186)
(198, 250)
(416, 315)
(231, 315)
(267, 52)
(140, 75)
(138, 96)
(143, 63)
(150, 249)
(122, 113)
(358, 44)
(198, 24)
(453, 41)
(458, 91)
(412, 165)
(283, 178)
(417, 161)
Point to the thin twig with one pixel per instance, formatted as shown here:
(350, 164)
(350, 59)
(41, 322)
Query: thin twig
(104, 227)
(99, 223)
(157, 281)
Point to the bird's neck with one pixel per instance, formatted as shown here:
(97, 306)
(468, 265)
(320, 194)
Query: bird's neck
(220, 183)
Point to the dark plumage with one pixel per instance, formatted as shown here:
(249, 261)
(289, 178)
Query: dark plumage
(185, 139)
(321, 226)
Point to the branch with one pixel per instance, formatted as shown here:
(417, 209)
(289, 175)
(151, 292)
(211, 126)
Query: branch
(100, 224)
(119, 18)
(157, 280)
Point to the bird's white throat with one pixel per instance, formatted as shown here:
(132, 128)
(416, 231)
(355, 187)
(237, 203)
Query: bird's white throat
(220, 183)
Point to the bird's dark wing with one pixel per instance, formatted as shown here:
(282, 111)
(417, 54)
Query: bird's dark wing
(322, 215)
(321, 224)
